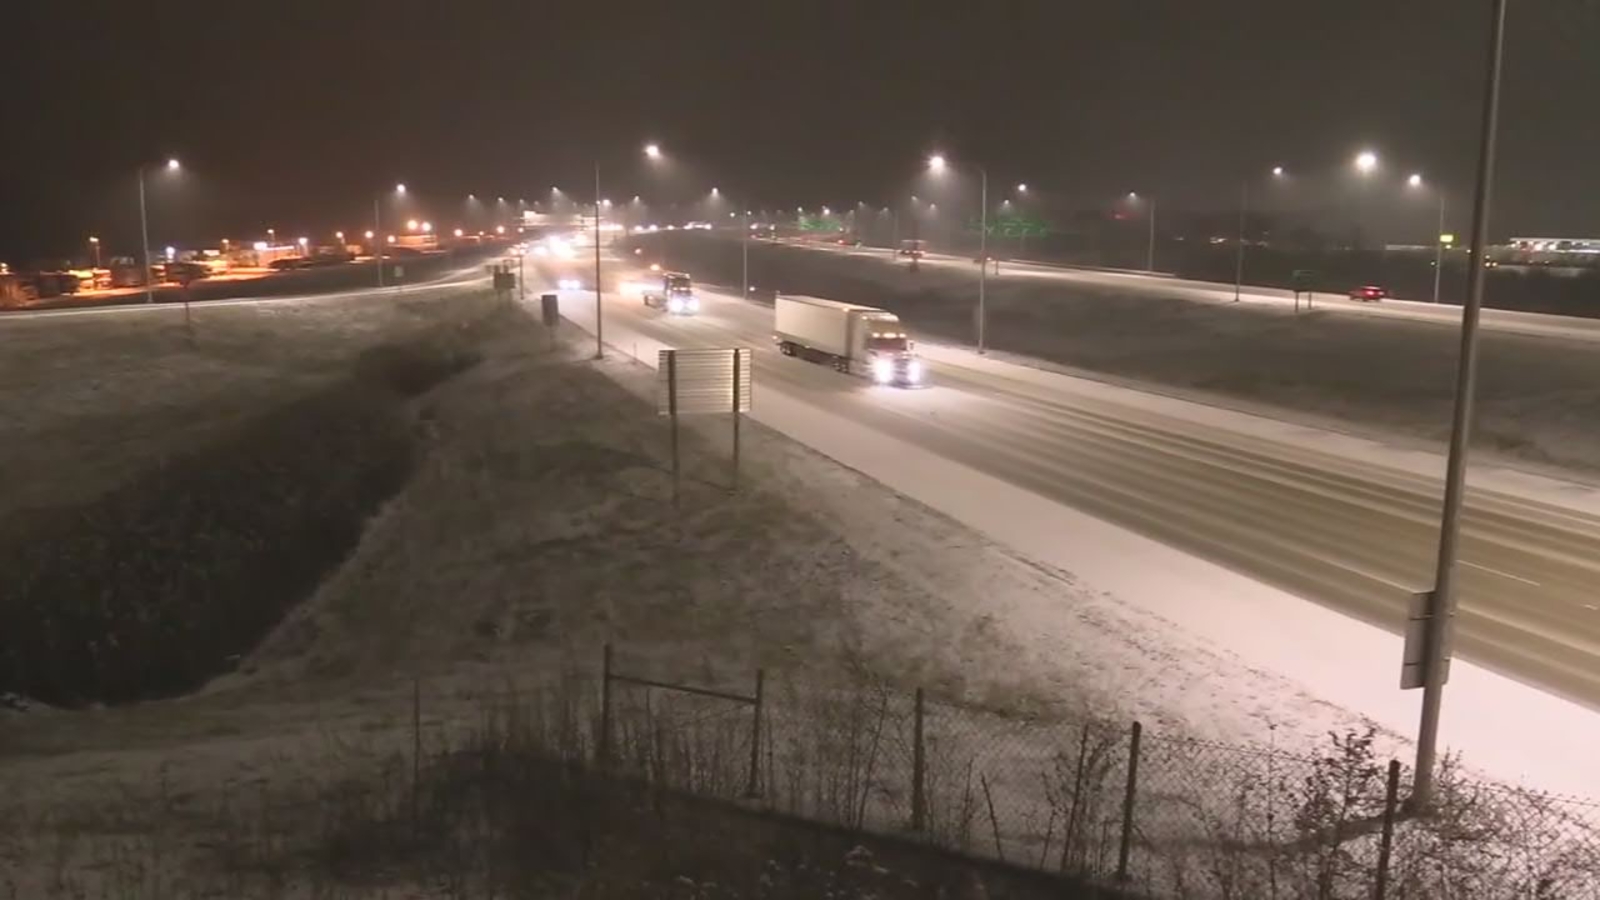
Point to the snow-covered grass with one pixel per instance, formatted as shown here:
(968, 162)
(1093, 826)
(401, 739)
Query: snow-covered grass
(1539, 397)
(540, 524)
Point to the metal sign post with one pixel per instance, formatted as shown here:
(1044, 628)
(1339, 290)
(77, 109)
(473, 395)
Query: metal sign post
(736, 417)
(672, 410)
(699, 382)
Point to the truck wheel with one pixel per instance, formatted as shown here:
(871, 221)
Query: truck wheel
(840, 365)
(786, 348)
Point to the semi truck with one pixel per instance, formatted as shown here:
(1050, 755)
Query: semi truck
(855, 339)
(675, 295)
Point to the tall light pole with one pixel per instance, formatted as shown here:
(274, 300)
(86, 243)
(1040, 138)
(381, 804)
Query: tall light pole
(744, 241)
(94, 243)
(377, 227)
(1442, 601)
(936, 163)
(599, 319)
(1366, 162)
(1244, 205)
(144, 232)
(1416, 182)
(1150, 245)
(652, 151)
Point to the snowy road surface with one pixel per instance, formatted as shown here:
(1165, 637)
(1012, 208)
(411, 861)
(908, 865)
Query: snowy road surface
(1534, 324)
(1326, 517)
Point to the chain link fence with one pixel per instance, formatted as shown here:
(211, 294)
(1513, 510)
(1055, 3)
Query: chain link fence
(1165, 816)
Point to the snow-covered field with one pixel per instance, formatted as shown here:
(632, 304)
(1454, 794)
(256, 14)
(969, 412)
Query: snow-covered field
(540, 525)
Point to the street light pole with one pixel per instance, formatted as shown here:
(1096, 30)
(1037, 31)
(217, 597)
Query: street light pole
(744, 241)
(599, 321)
(983, 256)
(144, 241)
(1438, 249)
(1238, 264)
(1442, 602)
(377, 235)
(1150, 254)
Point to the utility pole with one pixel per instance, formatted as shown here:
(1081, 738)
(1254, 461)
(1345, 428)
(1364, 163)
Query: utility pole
(599, 323)
(1442, 602)
(144, 241)
(983, 255)
(744, 241)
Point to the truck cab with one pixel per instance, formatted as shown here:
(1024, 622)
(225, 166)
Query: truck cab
(676, 295)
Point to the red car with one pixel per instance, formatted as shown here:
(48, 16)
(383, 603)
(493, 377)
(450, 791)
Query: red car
(1368, 293)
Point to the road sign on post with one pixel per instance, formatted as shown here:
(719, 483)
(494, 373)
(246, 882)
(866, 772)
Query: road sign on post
(1303, 281)
(702, 382)
(550, 310)
(1422, 616)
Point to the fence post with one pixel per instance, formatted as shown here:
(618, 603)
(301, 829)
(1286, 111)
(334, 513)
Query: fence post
(755, 738)
(918, 769)
(1127, 802)
(603, 752)
(1391, 802)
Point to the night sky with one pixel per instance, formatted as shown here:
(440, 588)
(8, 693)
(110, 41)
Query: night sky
(295, 113)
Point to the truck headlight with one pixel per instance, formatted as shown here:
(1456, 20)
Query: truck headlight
(914, 371)
(692, 305)
(882, 370)
(674, 305)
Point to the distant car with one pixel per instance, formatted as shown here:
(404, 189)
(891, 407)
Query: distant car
(848, 242)
(1368, 293)
(912, 248)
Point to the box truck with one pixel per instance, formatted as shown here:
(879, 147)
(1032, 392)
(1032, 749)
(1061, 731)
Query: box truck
(855, 339)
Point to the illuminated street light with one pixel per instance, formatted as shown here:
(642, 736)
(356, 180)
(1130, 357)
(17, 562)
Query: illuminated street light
(458, 232)
(172, 165)
(95, 243)
(303, 242)
(338, 235)
(1022, 188)
(826, 211)
(499, 229)
(715, 193)
(653, 151)
(1366, 161)
(369, 234)
(1414, 181)
(411, 224)
(1277, 171)
(427, 227)
(400, 189)
(937, 165)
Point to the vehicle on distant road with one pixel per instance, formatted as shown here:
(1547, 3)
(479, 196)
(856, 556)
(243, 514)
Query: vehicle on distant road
(848, 241)
(912, 248)
(1368, 293)
(857, 340)
(675, 295)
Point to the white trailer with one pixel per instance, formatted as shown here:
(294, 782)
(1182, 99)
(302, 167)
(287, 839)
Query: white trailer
(861, 340)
